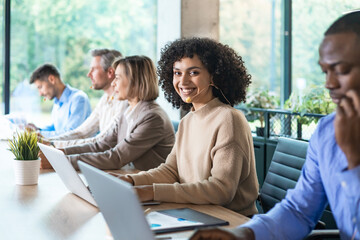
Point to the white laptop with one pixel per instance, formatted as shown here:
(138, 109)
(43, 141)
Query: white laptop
(122, 211)
(67, 173)
(69, 176)
(125, 217)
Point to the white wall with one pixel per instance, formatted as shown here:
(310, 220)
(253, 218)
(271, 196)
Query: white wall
(185, 18)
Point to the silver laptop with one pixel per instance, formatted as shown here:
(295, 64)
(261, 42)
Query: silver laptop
(122, 211)
(67, 173)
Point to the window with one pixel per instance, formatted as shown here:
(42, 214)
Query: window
(62, 33)
(252, 28)
(2, 110)
(310, 21)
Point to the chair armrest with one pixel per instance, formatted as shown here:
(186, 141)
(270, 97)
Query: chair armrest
(320, 234)
(320, 225)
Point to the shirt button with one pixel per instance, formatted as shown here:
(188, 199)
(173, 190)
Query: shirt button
(354, 219)
(343, 184)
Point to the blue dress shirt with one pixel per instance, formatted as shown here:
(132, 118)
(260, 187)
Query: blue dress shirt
(68, 112)
(324, 179)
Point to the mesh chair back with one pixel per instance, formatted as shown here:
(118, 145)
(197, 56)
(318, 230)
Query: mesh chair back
(284, 171)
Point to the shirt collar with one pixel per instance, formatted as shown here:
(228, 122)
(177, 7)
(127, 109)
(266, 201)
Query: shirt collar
(64, 96)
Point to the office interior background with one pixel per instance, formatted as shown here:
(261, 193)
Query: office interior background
(278, 40)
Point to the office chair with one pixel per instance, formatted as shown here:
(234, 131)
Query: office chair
(284, 171)
(323, 234)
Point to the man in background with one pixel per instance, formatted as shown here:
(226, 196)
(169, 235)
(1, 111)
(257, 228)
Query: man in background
(71, 106)
(331, 173)
(106, 111)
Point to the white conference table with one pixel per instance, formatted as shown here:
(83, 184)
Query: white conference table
(49, 211)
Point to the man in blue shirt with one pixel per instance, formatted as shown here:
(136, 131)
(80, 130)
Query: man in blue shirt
(331, 173)
(71, 106)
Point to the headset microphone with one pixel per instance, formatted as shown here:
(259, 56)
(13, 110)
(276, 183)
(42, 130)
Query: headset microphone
(190, 99)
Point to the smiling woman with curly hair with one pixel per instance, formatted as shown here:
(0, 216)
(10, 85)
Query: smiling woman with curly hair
(212, 161)
(224, 65)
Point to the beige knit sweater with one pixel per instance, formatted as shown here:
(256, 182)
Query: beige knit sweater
(212, 162)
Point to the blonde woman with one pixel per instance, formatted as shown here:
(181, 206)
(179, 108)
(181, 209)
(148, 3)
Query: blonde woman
(143, 136)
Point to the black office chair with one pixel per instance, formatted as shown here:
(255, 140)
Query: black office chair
(284, 171)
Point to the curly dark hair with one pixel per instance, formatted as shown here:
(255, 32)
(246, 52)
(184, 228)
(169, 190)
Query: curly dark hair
(222, 62)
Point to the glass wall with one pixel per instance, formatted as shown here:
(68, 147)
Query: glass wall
(252, 28)
(62, 33)
(310, 21)
(2, 108)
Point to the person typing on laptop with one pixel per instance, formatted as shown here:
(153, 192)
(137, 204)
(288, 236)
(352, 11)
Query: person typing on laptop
(71, 106)
(212, 161)
(106, 111)
(143, 136)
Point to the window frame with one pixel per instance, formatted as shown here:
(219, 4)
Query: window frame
(6, 59)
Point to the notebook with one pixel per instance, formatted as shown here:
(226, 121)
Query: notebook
(124, 214)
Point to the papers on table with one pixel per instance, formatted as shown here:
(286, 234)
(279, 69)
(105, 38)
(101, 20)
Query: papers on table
(7, 128)
(159, 221)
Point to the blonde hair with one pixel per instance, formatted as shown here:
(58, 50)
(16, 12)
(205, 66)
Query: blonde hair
(141, 73)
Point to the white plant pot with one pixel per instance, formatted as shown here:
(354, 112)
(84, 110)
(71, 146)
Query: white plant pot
(26, 172)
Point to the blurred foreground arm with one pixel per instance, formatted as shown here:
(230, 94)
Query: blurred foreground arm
(223, 234)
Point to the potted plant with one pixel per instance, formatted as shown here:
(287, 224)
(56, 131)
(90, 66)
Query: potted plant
(26, 162)
(260, 99)
(315, 99)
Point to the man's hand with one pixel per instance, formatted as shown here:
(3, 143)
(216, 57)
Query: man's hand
(223, 234)
(145, 192)
(44, 162)
(347, 127)
(31, 127)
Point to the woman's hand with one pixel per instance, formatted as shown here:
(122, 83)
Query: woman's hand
(145, 192)
(61, 149)
(123, 177)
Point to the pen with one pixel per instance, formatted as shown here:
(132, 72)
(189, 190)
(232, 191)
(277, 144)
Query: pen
(146, 211)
